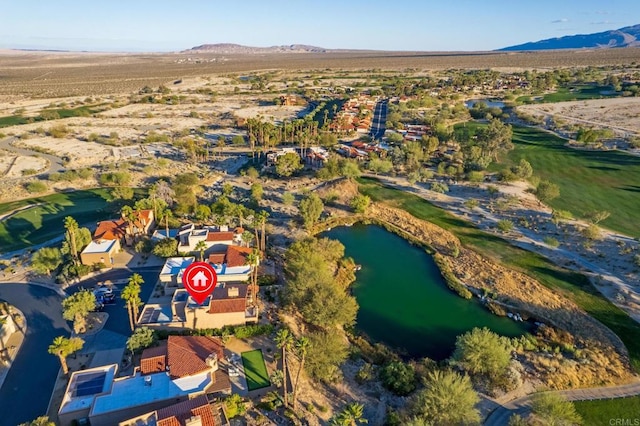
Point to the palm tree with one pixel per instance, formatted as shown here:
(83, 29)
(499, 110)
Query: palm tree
(220, 145)
(71, 226)
(62, 347)
(167, 215)
(246, 237)
(201, 247)
(128, 214)
(262, 220)
(131, 294)
(284, 341)
(351, 415)
(302, 347)
(253, 259)
(40, 421)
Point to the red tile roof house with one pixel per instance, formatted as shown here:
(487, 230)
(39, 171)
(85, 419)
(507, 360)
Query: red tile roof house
(110, 234)
(194, 412)
(215, 238)
(181, 368)
(228, 304)
(231, 302)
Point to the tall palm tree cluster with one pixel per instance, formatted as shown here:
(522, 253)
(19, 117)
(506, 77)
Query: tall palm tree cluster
(288, 344)
(131, 295)
(268, 135)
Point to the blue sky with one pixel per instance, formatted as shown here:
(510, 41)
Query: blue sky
(162, 25)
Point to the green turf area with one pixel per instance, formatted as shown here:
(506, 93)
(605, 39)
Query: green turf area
(44, 222)
(589, 180)
(255, 370)
(12, 120)
(573, 285)
(576, 93)
(83, 111)
(606, 411)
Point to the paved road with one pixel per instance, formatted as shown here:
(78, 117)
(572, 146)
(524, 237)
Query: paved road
(118, 318)
(378, 124)
(27, 388)
(55, 163)
(500, 416)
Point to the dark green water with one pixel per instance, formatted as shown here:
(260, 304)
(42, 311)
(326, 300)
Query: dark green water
(404, 301)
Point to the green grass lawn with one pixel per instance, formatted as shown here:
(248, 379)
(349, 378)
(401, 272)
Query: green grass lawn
(39, 224)
(588, 180)
(255, 370)
(601, 412)
(576, 93)
(573, 285)
(12, 120)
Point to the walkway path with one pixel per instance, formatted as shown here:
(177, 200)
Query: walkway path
(55, 163)
(522, 406)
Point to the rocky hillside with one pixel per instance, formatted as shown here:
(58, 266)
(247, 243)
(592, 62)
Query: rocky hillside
(238, 49)
(623, 37)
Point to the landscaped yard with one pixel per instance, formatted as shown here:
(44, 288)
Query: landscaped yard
(608, 411)
(573, 285)
(255, 370)
(44, 222)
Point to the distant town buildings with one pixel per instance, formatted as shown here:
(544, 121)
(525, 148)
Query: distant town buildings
(355, 115)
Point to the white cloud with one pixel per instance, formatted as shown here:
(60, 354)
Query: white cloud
(601, 23)
(560, 21)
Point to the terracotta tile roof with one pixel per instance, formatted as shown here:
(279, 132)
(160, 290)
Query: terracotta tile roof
(217, 258)
(237, 256)
(221, 382)
(154, 360)
(110, 230)
(239, 230)
(186, 355)
(177, 414)
(221, 292)
(220, 236)
(143, 219)
(227, 306)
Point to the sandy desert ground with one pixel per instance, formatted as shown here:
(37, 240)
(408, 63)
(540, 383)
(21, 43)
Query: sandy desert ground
(619, 114)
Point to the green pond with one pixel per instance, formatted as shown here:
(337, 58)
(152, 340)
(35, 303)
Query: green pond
(404, 301)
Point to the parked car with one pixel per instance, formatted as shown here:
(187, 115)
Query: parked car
(106, 299)
(102, 291)
(233, 372)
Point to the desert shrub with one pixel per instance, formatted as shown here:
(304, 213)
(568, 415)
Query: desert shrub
(550, 241)
(365, 373)
(398, 377)
(29, 172)
(288, 199)
(59, 131)
(505, 225)
(36, 186)
(439, 187)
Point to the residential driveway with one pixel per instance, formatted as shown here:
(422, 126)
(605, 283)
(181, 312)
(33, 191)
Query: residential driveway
(27, 388)
(118, 321)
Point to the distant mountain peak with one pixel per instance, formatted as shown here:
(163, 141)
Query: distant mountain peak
(623, 37)
(232, 48)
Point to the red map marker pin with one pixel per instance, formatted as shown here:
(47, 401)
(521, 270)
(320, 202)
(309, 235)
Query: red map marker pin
(199, 279)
